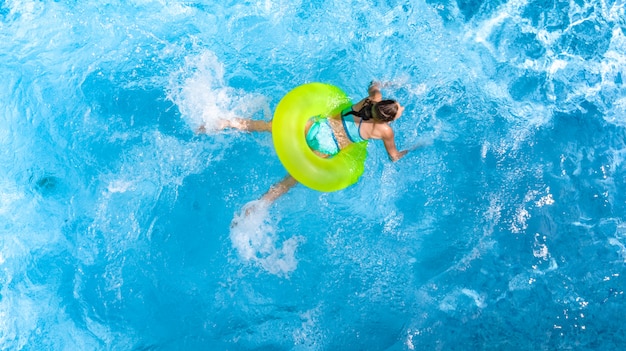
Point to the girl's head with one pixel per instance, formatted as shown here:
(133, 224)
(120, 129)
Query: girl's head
(386, 110)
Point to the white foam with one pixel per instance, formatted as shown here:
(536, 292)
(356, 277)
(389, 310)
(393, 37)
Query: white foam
(520, 220)
(451, 301)
(540, 249)
(545, 200)
(617, 115)
(521, 281)
(308, 333)
(621, 247)
(479, 299)
(120, 186)
(9, 196)
(203, 97)
(254, 237)
(557, 65)
(548, 38)
(486, 27)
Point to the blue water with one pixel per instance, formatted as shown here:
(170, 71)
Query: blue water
(121, 229)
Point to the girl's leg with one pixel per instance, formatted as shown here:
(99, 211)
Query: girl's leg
(278, 189)
(247, 125)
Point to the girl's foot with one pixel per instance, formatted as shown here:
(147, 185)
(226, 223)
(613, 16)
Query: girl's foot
(201, 130)
(236, 123)
(220, 125)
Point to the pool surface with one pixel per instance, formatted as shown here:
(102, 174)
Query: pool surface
(122, 229)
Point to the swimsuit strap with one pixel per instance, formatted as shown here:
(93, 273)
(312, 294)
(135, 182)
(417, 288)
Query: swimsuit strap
(365, 113)
(352, 131)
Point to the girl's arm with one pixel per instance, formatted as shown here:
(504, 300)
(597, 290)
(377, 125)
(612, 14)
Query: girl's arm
(374, 91)
(374, 95)
(390, 145)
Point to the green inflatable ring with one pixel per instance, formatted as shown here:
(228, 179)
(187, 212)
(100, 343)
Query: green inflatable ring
(290, 119)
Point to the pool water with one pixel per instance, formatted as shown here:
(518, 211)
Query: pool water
(122, 229)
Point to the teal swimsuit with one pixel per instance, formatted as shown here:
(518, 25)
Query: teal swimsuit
(352, 130)
(322, 139)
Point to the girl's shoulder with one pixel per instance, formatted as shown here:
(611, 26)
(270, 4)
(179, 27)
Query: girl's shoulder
(379, 130)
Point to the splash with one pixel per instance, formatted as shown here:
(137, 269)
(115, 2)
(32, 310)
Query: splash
(254, 237)
(204, 98)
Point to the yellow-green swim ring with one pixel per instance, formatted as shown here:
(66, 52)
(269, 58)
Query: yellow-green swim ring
(290, 118)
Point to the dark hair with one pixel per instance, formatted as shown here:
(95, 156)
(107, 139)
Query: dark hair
(384, 111)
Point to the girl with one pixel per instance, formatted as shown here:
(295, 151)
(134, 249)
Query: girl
(367, 119)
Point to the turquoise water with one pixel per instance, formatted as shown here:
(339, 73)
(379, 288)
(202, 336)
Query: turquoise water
(121, 229)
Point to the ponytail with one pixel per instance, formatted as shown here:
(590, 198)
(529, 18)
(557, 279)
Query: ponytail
(384, 111)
